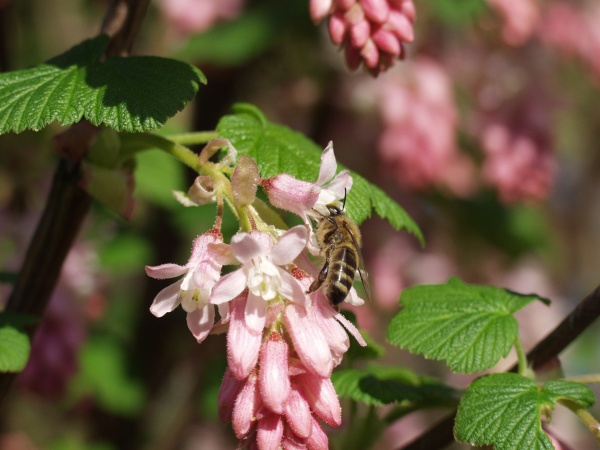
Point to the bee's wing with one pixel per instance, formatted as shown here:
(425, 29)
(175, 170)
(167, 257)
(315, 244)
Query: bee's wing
(364, 275)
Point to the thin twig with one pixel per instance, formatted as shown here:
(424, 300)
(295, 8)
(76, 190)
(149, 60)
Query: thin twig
(67, 204)
(586, 312)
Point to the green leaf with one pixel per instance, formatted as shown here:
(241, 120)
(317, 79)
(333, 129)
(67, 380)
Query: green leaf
(104, 375)
(14, 349)
(458, 12)
(469, 326)
(128, 94)
(8, 277)
(277, 149)
(504, 410)
(380, 385)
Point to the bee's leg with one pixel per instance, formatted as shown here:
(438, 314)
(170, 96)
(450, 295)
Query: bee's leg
(320, 278)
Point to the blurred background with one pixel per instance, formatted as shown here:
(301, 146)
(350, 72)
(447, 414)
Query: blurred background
(487, 134)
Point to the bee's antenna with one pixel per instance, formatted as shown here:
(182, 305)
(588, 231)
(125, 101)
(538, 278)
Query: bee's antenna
(344, 203)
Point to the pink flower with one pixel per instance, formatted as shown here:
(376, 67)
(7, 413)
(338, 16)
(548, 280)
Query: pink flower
(520, 19)
(261, 272)
(192, 291)
(574, 31)
(418, 157)
(310, 199)
(519, 164)
(372, 32)
(195, 16)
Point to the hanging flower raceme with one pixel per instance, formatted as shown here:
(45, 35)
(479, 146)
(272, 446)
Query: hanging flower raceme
(282, 343)
(371, 32)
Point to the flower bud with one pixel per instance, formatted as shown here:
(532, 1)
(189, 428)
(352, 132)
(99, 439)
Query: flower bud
(244, 181)
(269, 432)
(274, 380)
(245, 408)
(322, 398)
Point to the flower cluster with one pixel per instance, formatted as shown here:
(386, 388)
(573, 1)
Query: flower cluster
(195, 16)
(282, 343)
(418, 157)
(371, 32)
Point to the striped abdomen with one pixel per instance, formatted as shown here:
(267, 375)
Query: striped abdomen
(343, 261)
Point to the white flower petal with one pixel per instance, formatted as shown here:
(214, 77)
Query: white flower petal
(166, 300)
(165, 271)
(201, 321)
(245, 247)
(328, 165)
(291, 288)
(256, 313)
(341, 184)
(228, 287)
(289, 245)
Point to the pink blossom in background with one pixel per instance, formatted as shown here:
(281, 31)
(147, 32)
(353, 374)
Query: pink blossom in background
(371, 32)
(418, 142)
(519, 165)
(195, 16)
(574, 31)
(60, 335)
(520, 19)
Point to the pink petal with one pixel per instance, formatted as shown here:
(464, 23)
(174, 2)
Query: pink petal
(288, 193)
(243, 344)
(401, 26)
(376, 10)
(337, 29)
(297, 413)
(360, 33)
(387, 41)
(370, 54)
(166, 300)
(228, 392)
(165, 271)
(308, 340)
(200, 322)
(291, 289)
(245, 246)
(270, 432)
(352, 55)
(351, 328)
(256, 312)
(328, 165)
(335, 335)
(322, 398)
(222, 254)
(228, 287)
(319, 9)
(245, 407)
(289, 245)
(341, 184)
(318, 439)
(274, 380)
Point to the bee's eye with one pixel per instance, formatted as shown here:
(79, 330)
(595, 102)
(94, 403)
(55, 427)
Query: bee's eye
(333, 210)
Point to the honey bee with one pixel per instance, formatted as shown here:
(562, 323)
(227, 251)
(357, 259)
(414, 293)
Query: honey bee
(340, 241)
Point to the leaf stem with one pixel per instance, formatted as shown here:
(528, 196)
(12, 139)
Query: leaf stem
(132, 143)
(585, 416)
(585, 379)
(523, 369)
(200, 137)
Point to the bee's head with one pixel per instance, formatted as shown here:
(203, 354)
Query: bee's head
(334, 210)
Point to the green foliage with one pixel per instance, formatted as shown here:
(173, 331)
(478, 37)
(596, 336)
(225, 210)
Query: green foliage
(15, 344)
(277, 149)
(457, 12)
(470, 327)
(8, 277)
(125, 253)
(504, 410)
(157, 174)
(380, 385)
(237, 42)
(14, 348)
(127, 94)
(103, 375)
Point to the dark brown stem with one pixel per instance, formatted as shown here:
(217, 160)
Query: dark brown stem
(67, 204)
(586, 312)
